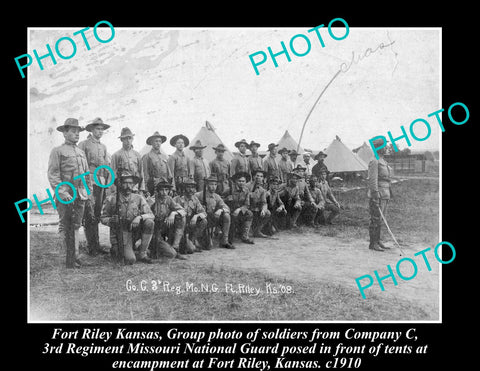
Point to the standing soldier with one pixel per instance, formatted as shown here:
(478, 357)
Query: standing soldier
(96, 153)
(270, 164)
(290, 197)
(178, 161)
(379, 194)
(307, 163)
(331, 204)
(254, 161)
(285, 165)
(308, 206)
(218, 213)
(320, 165)
(200, 167)
(66, 163)
(275, 205)
(293, 154)
(221, 168)
(240, 161)
(239, 202)
(169, 222)
(135, 216)
(127, 159)
(318, 200)
(196, 217)
(258, 203)
(155, 163)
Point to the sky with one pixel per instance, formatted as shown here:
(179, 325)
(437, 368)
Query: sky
(173, 80)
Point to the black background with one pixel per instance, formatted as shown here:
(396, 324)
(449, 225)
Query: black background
(451, 341)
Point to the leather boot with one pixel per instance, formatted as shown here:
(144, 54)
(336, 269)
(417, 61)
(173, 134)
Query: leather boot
(177, 238)
(258, 228)
(142, 254)
(386, 247)
(373, 232)
(245, 230)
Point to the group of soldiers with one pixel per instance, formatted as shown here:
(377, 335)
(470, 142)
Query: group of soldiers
(175, 205)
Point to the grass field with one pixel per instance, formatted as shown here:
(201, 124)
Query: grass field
(99, 291)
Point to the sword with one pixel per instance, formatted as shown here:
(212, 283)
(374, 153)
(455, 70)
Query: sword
(390, 231)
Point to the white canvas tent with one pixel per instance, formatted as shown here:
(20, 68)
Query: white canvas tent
(341, 159)
(289, 143)
(365, 153)
(209, 138)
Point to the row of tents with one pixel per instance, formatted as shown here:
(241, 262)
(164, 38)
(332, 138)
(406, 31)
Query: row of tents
(340, 158)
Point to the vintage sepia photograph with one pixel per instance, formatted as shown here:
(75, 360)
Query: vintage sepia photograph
(230, 174)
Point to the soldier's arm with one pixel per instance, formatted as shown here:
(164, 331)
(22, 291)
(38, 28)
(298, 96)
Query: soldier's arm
(200, 210)
(220, 204)
(145, 166)
(145, 209)
(53, 173)
(175, 207)
(141, 186)
(233, 166)
(373, 177)
(108, 209)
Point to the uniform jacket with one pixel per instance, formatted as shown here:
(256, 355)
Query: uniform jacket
(304, 191)
(130, 160)
(155, 166)
(285, 168)
(317, 197)
(131, 206)
(318, 167)
(255, 163)
(163, 208)
(258, 197)
(289, 195)
(270, 165)
(213, 202)
(96, 153)
(221, 168)
(326, 192)
(379, 178)
(180, 165)
(240, 197)
(200, 167)
(191, 206)
(65, 163)
(239, 164)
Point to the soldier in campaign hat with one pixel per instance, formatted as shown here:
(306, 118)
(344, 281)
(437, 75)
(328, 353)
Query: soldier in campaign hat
(201, 168)
(255, 162)
(169, 222)
(195, 218)
(285, 165)
(218, 213)
(179, 163)
(220, 167)
(379, 194)
(66, 163)
(128, 159)
(239, 203)
(135, 216)
(320, 165)
(155, 163)
(240, 161)
(270, 164)
(258, 203)
(96, 153)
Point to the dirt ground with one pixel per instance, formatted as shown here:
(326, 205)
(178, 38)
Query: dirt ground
(308, 256)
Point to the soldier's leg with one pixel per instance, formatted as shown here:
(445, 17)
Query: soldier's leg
(176, 234)
(128, 253)
(198, 231)
(162, 247)
(334, 211)
(78, 212)
(245, 224)
(374, 226)
(295, 213)
(89, 226)
(225, 222)
(186, 244)
(261, 221)
(309, 212)
(146, 227)
(383, 206)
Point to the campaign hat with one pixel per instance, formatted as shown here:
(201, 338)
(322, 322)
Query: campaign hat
(96, 121)
(156, 135)
(237, 144)
(197, 145)
(126, 132)
(174, 139)
(70, 122)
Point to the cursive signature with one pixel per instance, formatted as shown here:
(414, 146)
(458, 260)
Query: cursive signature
(344, 67)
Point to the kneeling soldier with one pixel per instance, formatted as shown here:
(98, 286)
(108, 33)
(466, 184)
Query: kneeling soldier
(196, 217)
(218, 213)
(275, 205)
(132, 212)
(290, 196)
(258, 203)
(331, 204)
(169, 222)
(318, 201)
(239, 200)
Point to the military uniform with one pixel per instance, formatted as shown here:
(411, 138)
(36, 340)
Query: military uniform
(201, 170)
(318, 168)
(129, 160)
(192, 206)
(319, 202)
(240, 198)
(96, 153)
(270, 166)
(239, 164)
(221, 168)
(290, 196)
(162, 208)
(155, 167)
(130, 206)
(181, 168)
(331, 203)
(276, 207)
(213, 203)
(258, 203)
(285, 167)
(306, 200)
(379, 194)
(255, 162)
